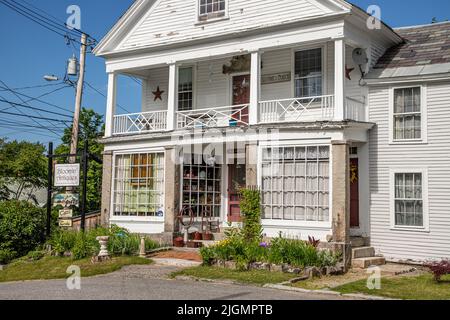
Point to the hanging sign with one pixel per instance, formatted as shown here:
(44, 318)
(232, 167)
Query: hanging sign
(65, 223)
(67, 175)
(65, 213)
(66, 200)
(276, 78)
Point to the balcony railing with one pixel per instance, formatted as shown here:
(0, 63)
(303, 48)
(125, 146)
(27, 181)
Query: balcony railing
(230, 116)
(140, 122)
(297, 109)
(355, 109)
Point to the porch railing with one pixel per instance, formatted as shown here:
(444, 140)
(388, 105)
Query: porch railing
(230, 116)
(297, 109)
(355, 109)
(140, 122)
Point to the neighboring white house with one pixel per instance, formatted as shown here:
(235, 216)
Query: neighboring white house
(297, 97)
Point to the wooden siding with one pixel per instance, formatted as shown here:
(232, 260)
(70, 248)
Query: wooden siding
(212, 88)
(170, 21)
(435, 156)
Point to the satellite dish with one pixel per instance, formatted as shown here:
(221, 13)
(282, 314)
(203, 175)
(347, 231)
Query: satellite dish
(359, 56)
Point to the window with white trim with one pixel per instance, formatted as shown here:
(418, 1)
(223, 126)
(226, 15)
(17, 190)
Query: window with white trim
(139, 185)
(209, 9)
(308, 73)
(185, 89)
(296, 183)
(407, 114)
(408, 199)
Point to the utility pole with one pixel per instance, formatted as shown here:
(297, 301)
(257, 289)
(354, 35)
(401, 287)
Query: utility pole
(78, 100)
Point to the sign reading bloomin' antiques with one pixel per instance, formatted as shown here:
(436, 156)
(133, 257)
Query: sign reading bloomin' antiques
(67, 175)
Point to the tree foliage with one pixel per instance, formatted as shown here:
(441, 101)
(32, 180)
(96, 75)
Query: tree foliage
(22, 228)
(91, 130)
(23, 166)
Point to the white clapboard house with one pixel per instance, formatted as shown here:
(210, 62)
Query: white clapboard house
(341, 121)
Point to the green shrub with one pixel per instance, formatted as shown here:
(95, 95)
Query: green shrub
(35, 255)
(81, 248)
(22, 227)
(250, 205)
(208, 255)
(121, 242)
(63, 241)
(6, 256)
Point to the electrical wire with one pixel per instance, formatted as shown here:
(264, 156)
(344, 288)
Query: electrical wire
(34, 117)
(60, 29)
(23, 101)
(36, 98)
(34, 87)
(34, 108)
(103, 95)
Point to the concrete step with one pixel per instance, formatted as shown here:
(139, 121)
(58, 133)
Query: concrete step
(364, 263)
(357, 242)
(363, 252)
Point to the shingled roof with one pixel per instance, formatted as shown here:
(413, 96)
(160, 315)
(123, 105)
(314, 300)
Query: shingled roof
(423, 45)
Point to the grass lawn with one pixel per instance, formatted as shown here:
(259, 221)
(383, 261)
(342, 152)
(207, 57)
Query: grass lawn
(409, 288)
(257, 277)
(55, 268)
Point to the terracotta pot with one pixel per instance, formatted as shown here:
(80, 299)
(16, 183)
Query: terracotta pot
(179, 243)
(207, 236)
(192, 244)
(198, 236)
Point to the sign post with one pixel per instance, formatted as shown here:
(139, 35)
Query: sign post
(49, 188)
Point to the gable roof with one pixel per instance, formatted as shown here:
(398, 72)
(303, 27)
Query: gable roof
(422, 45)
(140, 8)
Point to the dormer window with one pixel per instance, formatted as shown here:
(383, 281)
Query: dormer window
(211, 9)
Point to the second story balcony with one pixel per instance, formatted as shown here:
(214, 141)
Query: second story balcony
(279, 86)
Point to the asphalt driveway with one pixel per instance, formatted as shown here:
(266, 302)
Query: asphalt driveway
(148, 282)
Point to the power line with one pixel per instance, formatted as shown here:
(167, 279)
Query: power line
(34, 108)
(36, 20)
(37, 99)
(45, 22)
(103, 95)
(35, 121)
(34, 117)
(35, 87)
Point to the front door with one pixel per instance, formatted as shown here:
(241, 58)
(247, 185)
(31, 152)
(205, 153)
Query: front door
(236, 180)
(241, 95)
(354, 193)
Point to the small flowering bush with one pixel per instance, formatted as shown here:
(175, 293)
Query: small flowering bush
(246, 245)
(439, 269)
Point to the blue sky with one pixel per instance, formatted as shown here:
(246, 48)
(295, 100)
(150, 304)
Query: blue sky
(29, 51)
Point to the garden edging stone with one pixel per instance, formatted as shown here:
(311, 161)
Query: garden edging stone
(325, 292)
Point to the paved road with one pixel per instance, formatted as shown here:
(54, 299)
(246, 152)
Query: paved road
(144, 283)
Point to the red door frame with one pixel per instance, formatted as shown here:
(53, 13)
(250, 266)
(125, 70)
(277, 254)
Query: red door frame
(354, 193)
(244, 98)
(234, 201)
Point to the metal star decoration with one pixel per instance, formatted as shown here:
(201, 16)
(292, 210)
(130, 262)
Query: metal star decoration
(158, 94)
(348, 71)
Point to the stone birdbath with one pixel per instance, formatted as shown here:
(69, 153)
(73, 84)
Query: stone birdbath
(103, 255)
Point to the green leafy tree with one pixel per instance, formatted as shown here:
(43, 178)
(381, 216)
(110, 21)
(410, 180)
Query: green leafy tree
(23, 167)
(91, 129)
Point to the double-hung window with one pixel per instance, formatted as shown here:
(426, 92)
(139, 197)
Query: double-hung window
(308, 73)
(407, 115)
(139, 185)
(210, 9)
(409, 198)
(296, 183)
(185, 89)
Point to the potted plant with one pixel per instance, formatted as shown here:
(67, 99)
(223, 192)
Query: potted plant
(178, 242)
(208, 236)
(198, 236)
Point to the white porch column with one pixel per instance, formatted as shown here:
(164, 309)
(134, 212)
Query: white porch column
(339, 80)
(255, 85)
(110, 104)
(172, 97)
